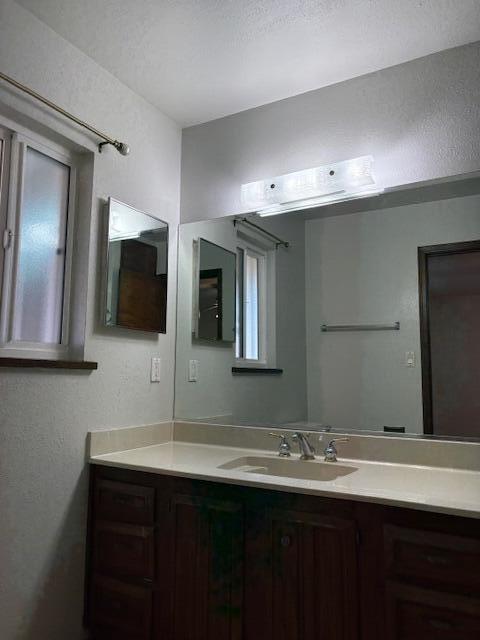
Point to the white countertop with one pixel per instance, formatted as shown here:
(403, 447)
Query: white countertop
(437, 489)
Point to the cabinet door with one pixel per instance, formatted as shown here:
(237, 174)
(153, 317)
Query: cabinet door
(301, 577)
(120, 611)
(201, 549)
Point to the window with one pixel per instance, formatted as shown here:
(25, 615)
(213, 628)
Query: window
(255, 309)
(36, 215)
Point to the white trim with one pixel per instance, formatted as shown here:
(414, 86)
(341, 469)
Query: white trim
(8, 347)
(5, 139)
(67, 147)
(195, 286)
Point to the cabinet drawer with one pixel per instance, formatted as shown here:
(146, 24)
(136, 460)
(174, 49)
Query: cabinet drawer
(124, 502)
(435, 557)
(421, 614)
(120, 611)
(124, 549)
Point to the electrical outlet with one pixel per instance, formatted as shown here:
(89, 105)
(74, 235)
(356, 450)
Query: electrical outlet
(409, 358)
(156, 369)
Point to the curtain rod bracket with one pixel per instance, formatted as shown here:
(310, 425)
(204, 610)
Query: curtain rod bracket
(121, 147)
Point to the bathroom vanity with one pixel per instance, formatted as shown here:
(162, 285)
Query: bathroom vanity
(183, 546)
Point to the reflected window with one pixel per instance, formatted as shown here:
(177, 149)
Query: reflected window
(250, 342)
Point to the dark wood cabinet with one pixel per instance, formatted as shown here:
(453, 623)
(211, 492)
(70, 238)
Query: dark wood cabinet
(302, 583)
(119, 609)
(178, 559)
(414, 613)
(201, 547)
(449, 561)
(124, 550)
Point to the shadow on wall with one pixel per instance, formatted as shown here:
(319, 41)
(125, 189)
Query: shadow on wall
(58, 607)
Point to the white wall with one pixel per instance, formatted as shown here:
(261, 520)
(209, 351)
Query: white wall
(239, 398)
(420, 120)
(45, 416)
(363, 268)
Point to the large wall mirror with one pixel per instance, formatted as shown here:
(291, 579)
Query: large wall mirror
(362, 316)
(137, 269)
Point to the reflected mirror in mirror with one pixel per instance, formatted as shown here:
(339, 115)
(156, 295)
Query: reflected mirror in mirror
(215, 315)
(137, 261)
(394, 279)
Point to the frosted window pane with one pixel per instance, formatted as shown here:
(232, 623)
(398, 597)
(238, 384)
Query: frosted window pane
(41, 250)
(239, 304)
(251, 307)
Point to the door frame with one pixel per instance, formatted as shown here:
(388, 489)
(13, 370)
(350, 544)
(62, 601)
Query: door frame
(424, 253)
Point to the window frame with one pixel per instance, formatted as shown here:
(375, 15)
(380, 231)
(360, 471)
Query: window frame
(5, 155)
(254, 245)
(12, 192)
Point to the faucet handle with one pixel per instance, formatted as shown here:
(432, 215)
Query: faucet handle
(284, 448)
(331, 450)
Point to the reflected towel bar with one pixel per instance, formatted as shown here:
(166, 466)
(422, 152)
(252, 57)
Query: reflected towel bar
(361, 327)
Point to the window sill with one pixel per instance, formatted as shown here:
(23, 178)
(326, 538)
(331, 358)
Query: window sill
(256, 371)
(32, 363)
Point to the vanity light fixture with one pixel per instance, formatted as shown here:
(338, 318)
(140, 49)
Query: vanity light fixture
(309, 188)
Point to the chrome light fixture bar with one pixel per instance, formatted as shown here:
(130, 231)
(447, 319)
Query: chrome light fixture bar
(310, 188)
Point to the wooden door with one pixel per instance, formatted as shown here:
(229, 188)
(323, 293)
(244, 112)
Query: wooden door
(142, 293)
(449, 287)
(201, 549)
(301, 577)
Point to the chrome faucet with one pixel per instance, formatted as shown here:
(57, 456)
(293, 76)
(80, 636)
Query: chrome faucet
(283, 448)
(330, 451)
(307, 452)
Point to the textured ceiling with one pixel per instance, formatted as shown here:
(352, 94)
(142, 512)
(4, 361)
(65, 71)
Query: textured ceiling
(202, 59)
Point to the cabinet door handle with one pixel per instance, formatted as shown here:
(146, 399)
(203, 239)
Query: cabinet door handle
(436, 623)
(285, 541)
(438, 560)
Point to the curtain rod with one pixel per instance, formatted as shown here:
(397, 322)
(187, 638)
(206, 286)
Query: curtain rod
(278, 241)
(121, 147)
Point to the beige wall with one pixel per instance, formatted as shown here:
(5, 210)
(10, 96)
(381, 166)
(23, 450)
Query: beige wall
(45, 416)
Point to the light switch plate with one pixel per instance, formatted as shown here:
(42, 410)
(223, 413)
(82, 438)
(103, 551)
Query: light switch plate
(156, 370)
(193, 370)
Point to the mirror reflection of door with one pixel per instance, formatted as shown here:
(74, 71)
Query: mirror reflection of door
(136, 270)
(449, 278)
(216, 293)
(142, 293)
(210, 319)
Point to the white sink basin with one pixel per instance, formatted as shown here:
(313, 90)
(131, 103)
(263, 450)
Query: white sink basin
(289, 468)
